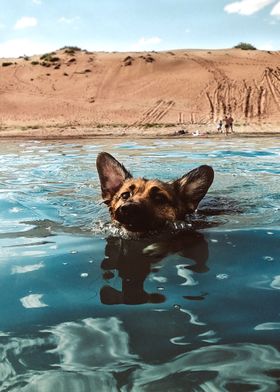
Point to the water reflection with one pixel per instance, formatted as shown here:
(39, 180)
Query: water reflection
(133, 260)
(94, 354)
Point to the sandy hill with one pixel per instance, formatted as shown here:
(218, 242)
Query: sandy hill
(184, 86)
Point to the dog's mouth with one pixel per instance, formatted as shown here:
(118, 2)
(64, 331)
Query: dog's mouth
(137, 217)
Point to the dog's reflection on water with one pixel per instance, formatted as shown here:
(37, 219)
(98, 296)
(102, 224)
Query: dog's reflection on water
(133, 260)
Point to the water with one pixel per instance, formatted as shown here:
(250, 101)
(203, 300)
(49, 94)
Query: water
(82, 310)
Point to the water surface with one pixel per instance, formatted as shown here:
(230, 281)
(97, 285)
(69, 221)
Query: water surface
(84, 310)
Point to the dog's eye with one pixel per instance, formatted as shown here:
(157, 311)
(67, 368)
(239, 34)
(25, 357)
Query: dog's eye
(125, 195)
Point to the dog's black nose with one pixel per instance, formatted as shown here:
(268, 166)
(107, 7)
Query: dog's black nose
(129, 208)
(134, 215)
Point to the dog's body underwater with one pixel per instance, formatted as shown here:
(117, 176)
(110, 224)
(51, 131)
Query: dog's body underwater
(141, 205)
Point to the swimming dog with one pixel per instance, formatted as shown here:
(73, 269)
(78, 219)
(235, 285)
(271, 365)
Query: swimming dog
(140, 205)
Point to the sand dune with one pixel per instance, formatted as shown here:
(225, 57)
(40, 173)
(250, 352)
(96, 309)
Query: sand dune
(183, 88)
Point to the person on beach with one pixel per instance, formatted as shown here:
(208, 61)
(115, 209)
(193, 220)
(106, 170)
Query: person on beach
(220, 126)
(226, 120)
(230, 121)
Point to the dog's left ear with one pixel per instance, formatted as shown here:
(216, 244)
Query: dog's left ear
(193, 186)
(112, 175)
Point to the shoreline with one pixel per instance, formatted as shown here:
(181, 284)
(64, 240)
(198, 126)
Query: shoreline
(180, 131)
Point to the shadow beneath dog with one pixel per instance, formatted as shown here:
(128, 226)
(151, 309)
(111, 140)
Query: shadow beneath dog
(133, 260)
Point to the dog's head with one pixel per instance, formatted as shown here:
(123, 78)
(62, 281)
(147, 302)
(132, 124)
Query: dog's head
(141, 205)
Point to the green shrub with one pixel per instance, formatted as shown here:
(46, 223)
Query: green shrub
(71, 49)
(49, 57)
(35, 62)
(245, 46)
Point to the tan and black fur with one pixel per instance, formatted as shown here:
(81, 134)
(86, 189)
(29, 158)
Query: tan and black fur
(141, 205)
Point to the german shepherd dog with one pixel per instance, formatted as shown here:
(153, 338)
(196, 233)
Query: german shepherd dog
(140, 205)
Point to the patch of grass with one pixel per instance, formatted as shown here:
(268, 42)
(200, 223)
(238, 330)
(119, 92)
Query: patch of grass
(7, 63)
(54, 59)
(45, 64)
(152, 125)
(159, 125)
(149, 59)
(35, 62)
(71, 49)
(128, 58)
(48, 57)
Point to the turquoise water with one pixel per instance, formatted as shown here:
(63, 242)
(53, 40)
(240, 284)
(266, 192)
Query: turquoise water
(85, 310)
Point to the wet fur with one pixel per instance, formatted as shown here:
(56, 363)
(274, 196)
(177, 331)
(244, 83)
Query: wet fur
(141, 205)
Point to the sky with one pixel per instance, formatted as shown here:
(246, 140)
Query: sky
(30, 27)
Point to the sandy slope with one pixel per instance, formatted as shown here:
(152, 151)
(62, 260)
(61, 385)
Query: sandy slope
(133, 90)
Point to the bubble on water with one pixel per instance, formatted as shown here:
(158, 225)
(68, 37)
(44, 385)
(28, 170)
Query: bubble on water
(91, 261)
(269, 233)
(176, 306)
(222, 276)
(268, 258)
(84, 275)
(213, 240)
(160, 288)
(74, 252)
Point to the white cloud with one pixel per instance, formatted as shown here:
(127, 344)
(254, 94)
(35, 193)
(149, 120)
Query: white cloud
(65, 20)
(266, 46)
(22, 46)
(276, 10)
(146, 43)
(26, 21)
(37, 2)
(247, 7)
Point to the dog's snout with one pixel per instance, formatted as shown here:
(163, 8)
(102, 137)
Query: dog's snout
(131, 208)
(132, 214)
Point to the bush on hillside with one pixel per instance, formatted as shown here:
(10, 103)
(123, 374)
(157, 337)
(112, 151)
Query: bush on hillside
(71, 49)
(7, 63)
(245, 46)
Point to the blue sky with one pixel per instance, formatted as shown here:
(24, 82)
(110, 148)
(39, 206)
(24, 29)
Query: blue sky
(38, 26)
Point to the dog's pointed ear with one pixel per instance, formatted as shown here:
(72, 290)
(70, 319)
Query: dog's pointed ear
(112, 175)
(193, 186)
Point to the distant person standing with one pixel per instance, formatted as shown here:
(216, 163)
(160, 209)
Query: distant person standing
(227, 124)
(230, 122)
(220, 126)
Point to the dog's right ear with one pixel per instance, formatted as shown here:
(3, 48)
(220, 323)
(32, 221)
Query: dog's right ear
(112, 175)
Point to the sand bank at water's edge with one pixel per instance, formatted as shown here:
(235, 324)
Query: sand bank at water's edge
(190, 131)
